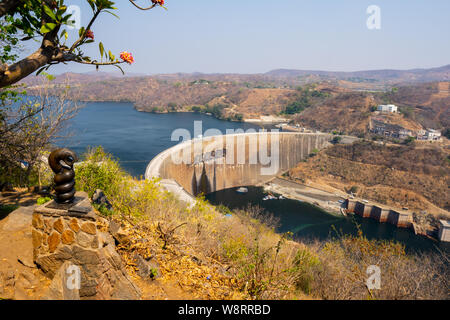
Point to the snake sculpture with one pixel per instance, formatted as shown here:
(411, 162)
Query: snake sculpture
(61, 161)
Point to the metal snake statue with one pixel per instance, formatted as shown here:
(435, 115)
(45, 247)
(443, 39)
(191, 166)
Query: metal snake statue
(61, 161)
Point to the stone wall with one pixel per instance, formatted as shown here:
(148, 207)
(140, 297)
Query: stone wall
(51, 233)
(78, 237)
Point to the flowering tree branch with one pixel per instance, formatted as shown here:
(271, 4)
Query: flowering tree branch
(45, 19)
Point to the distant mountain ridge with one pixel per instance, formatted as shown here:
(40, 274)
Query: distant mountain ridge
(384, 77)
(388, 75)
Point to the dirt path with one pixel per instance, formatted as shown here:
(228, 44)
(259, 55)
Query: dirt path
(20, 279)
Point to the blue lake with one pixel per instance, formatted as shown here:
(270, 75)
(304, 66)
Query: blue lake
(134, 137)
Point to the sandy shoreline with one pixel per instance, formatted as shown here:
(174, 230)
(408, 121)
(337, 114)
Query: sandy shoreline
(292, 190)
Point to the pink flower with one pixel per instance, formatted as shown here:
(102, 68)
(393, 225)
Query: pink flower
(127, 57)
(90, 34)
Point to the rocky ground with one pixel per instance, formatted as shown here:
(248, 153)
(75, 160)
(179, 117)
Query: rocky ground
(19, 277)
(160, 274)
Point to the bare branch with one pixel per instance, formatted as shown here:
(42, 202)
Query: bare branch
(112, 63)
(142, 8)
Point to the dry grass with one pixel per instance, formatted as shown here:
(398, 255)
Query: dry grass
(212, 255)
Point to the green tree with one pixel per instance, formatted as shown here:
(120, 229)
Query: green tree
(44, 21)
(409, 140)
(336, 140)
(172, 106)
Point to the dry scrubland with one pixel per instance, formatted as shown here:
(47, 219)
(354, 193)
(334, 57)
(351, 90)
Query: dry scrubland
(204, 253)
(400, 175)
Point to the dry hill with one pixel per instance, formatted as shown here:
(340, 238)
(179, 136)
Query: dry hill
(412, 176)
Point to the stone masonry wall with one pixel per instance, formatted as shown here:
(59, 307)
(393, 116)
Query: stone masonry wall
(51, 233)
(63, 238)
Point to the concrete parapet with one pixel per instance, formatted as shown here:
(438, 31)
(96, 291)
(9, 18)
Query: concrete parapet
(444, 230)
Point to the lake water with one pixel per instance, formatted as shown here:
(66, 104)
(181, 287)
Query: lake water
(135, 138)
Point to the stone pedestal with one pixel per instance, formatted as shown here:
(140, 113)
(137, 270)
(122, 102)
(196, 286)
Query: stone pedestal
(73, 235)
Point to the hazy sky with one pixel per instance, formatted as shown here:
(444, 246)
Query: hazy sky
(253, 36)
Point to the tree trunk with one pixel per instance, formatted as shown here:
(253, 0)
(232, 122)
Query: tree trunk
(9, 6)
(47, 53)
(18, 71)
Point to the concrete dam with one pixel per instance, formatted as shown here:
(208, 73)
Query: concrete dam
(205, 165)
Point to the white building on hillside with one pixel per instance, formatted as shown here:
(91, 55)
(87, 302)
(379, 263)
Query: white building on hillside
(387, 108)
(433, 135)
(429, 135)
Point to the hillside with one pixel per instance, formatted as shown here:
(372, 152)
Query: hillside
(403, 176)
(348, 112)
(288, 77)
(351, 113)
(421, 106)
(340, 105)
(164, 94)
(169, 250)
(428, 104)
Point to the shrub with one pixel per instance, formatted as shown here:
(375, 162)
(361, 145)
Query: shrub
(197, 109)
(447, 133)
(172, 106)
(409, 141)
(302, 270)
(354, 189)
(99, 171)
(336, 140)
(42, 200)
(343, 271)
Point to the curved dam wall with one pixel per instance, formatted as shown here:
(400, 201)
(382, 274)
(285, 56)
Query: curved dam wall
(205, 165)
